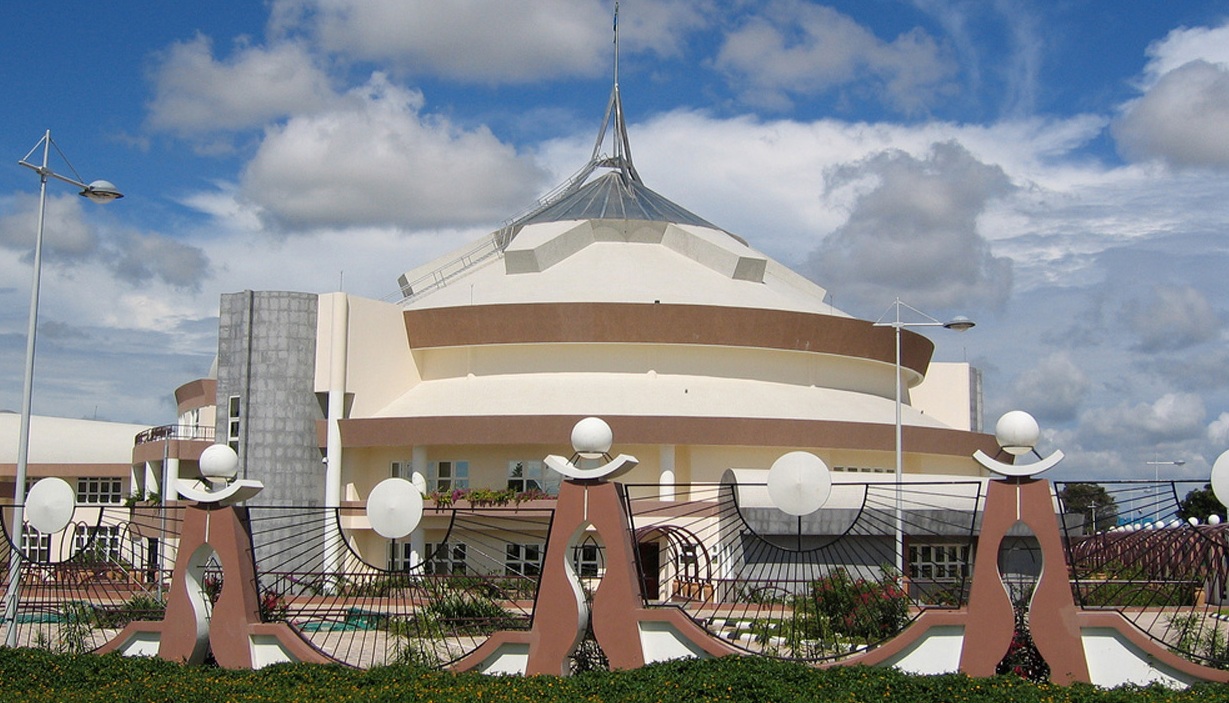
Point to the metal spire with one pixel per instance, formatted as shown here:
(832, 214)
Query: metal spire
(622, 157)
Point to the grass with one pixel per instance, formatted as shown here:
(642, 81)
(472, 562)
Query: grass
(35, 676)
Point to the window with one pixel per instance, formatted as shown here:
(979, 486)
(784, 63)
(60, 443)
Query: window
(587, 559)
(523, 560)
(400, 469)
(35, 545)
(525, 476)
(939, 562)
(448, 475)
(445, 559)
(864, 469)
(100, 491)
(101, 543)
(233, 422)
(189, 425)
(687, 561)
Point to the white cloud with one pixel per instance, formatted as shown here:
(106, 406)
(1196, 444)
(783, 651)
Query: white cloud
(377, 160)
(1053, 389)
(801, 48)
(913, 232)
(1175, 318)
(1181, 119)
(488, 41)
(1182, 46)
(73, 241)
(140, 257)
(1172, 417)
(67, 234)
(196, 94)
(1218, 430)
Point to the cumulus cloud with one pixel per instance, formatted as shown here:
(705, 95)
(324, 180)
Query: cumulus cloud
(1179, 118)
(1199, 372)
(801, 48)
(1173, 417)
(491, 41)
(913, 232)
(1182, 46)
(377, 160)
(194, 93)
(1218, 430)
(67, 235)
(140, 257)
(1053, 389)
(71, 241)
(1175, 318)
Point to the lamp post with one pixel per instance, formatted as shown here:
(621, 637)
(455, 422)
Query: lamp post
(1156, 481)
(960, 324)
(99, 192)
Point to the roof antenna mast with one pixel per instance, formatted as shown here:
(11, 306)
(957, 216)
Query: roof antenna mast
(622, 159)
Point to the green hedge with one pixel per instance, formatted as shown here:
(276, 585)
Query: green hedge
(36, 676)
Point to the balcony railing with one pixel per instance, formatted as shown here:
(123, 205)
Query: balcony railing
(154, 434)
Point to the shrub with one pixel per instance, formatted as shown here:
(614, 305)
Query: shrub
(465, 613)
(862, 608)
(1199, 639)
(33, 676)
(142, 606)
(1022, 658)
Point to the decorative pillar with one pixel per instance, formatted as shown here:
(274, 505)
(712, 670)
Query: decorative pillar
(336, 411)
(418, 476)
(665, 477)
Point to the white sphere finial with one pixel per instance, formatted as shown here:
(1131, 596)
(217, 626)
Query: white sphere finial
(592, 436)
(1017, 432)
(219, 462)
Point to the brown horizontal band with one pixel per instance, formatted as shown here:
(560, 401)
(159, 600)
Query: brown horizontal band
(630, 430)
(651, 323)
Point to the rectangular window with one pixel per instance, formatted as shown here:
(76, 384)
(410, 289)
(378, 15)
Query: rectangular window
(688, 561)
(100, 491)
(233, 422)
(526, 476)
(940, 562)
(448, 476)
(587, 560)
(101, 543)
(445, 559)
(400, 556)
(523, 560)
(35, 545)
(532, 475)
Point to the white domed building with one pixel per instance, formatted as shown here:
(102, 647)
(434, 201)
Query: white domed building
(608, 300)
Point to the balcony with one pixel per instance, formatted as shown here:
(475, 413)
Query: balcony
(165, 432)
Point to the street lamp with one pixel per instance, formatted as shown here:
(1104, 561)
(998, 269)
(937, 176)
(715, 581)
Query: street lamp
(958, 323)
(1156, 483)
(99, 192)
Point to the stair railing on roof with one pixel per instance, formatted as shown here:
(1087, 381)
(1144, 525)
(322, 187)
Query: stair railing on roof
(491, 245)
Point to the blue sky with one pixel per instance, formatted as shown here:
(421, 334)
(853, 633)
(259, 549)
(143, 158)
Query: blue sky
(1056, 170)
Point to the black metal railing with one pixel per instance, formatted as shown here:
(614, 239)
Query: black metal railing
(154, 434)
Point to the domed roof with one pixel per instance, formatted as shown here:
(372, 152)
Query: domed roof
(604, 236)
(615, 197)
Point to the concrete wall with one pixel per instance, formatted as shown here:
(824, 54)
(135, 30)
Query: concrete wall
(267, 357)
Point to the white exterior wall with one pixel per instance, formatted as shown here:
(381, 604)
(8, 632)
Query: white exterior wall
(950, 395)
(379, 366)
